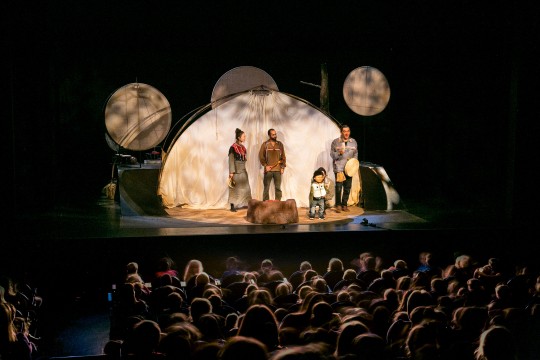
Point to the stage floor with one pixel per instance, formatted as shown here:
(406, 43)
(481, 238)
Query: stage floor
(103, 218)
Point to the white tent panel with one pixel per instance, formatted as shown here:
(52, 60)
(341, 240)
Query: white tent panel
(195, 170)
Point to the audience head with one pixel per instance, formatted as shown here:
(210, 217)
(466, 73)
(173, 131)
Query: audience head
(425, 257)
(206, 351)
(165, 263)
(335, 264)
(210, 327)
(418, 298)
(321, 314)
(421, 337)
(199, 307)
(308, 274)
(347, 332)
(193, 267)
(243, 347)
(260, 297)
(400, 264)
(266, 265)
(387, 274)
(283, 289)
(369, 346)
(319, 285)
(145, 337)
(349, 274)
(304, 291)
(232, 263)
(132, 267)
(260, 323)
(496, 343)
(311, 351)
(250, 277)
(202, 279)
(305, 265)
(370, 262)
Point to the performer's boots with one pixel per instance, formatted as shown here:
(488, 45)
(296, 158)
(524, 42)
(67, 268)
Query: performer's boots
(344, 208)
(232, 208)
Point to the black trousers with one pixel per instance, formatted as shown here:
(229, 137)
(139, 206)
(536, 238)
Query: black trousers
(343, 189)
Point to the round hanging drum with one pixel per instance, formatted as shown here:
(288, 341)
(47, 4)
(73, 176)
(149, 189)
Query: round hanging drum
(366, 91)
(137, 117)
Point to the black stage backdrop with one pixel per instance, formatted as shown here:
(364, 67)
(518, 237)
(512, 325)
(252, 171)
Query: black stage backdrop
(458, 127)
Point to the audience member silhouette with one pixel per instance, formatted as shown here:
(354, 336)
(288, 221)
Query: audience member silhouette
(311, 351)
(14, 344)
(399, 269)
(347, 332)
(199, 307)
(349, 277)
(178, 341)
(200, 284)
(502, 300)
(462, 269)
(268, 273)
(143, 341)
(165, 265)
(301, 319)
(206, 351)
(496, 344)
(26, 302)
(132, 273)
(422, 341)
(211, 327)
(232, 272)
(334, 272)
(297, 277)
(369, 346)
(259, 322)
(490, 274)
(193, 268)
(368, 271)
(284, 297)
(428, 266)
(243, 347)
(385, 281)
(309, 275)
(126, 306)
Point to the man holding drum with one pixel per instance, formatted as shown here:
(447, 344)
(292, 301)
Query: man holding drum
(342, 149)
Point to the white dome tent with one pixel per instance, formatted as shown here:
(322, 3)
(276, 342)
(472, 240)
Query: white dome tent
(195, 167)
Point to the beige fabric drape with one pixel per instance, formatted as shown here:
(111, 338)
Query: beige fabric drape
(195, 171)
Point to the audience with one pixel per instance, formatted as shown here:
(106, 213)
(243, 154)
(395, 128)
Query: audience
(468, 311)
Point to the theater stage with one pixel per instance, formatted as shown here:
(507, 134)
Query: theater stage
(104, 219)
(137, 211)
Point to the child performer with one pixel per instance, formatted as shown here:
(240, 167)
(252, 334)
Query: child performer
(317, 194)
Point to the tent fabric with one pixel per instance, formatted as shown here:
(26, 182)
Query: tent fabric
(195, 170)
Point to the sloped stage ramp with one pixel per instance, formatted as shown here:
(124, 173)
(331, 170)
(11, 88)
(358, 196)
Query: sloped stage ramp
(138, 191)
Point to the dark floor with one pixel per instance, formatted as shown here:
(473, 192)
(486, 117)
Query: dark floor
(74, 254)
